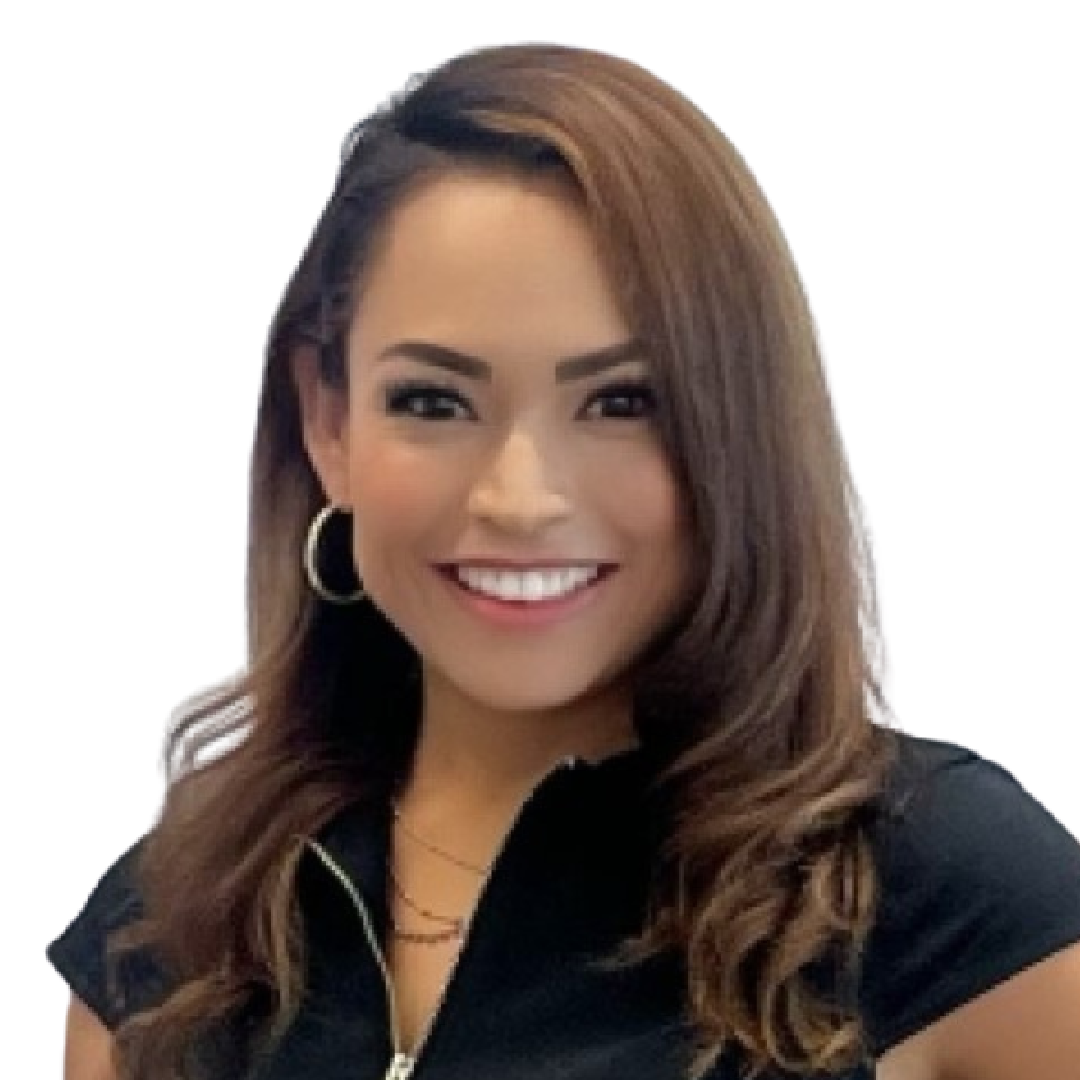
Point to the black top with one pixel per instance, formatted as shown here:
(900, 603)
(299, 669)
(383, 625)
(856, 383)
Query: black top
(978, 882)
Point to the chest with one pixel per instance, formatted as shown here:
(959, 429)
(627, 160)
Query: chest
(429, 903)
(532, 993)
(419, 975)
(528, 997)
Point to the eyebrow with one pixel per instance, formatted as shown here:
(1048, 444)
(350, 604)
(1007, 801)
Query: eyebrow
(568, 369)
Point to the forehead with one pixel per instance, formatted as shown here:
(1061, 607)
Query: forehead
(491, 265)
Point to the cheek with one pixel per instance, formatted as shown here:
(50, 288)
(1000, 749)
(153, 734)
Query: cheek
(641, 498)
(647, 507)
(398, 489)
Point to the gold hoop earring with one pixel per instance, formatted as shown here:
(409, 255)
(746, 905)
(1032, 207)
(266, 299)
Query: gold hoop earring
(317, 537)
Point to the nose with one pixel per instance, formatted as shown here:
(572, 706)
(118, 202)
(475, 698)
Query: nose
(513, 494)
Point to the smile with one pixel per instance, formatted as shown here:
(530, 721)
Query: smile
(526, 598)
(528, 586)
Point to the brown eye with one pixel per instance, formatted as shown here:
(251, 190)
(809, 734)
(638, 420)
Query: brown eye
(424, 401)
(624, 401)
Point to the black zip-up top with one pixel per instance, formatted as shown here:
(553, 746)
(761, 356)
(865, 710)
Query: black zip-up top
(525, 998)
(977, 882)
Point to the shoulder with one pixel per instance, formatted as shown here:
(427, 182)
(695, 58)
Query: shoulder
(977, 880)
(110, 983)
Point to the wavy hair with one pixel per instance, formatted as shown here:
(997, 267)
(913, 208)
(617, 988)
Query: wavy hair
(759, 700)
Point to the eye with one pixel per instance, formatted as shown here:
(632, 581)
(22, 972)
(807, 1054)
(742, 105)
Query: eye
(625, 401)
(424, 401)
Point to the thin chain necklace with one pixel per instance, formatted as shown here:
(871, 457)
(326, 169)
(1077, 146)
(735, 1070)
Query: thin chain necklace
(427, 845)
(453, 927)
(433, 916)
(417, 937)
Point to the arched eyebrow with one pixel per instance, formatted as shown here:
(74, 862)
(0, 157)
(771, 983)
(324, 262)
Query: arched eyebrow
(472, 367)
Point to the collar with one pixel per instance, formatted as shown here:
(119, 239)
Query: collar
(584, 836)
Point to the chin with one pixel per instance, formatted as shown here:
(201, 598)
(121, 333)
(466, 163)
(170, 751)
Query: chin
(525, 694)
(523, 699)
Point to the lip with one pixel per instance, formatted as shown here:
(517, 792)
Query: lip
(522, 614)
(495, 563)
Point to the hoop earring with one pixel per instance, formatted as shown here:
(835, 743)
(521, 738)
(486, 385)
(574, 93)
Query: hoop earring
(317, 537)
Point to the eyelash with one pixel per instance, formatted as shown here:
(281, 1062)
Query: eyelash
(400, 396)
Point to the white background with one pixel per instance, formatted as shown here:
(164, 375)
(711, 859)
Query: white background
(162, 166)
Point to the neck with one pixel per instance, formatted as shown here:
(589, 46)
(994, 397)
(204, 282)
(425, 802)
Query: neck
(476, 763)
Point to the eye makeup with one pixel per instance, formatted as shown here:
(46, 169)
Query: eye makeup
(627, 390)
(422, 399)
(427, 399)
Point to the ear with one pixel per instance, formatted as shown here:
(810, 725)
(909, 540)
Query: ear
(324, 413)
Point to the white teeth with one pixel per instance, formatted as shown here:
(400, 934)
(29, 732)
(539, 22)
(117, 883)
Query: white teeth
(528, 585)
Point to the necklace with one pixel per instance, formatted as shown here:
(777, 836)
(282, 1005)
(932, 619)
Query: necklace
(434, 849)
(453, 925)
(450, 920)
(416, 937)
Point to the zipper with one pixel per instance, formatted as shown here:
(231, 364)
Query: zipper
(401, 1067)
(403, 1064)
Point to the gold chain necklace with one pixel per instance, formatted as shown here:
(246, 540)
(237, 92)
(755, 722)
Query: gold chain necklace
(432, 916)
(417, 937)
(427, 845)
(453, 928)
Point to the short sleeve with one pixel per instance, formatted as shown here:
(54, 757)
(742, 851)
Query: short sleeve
(79, 953)
(978, 882)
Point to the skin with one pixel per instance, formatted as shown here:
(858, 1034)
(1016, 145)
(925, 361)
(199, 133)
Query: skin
(506, 272)
(523, 466)
(529, 458)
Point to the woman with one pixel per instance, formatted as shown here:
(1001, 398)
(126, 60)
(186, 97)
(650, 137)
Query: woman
(555, 754)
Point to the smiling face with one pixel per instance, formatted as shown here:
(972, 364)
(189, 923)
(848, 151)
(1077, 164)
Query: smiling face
(498, 413)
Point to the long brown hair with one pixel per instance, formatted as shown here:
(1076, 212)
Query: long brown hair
(759, 698)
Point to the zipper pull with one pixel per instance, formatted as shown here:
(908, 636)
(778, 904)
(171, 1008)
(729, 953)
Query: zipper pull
(400, 1068)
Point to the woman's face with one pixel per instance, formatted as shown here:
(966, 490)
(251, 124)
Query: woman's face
(498, 438)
